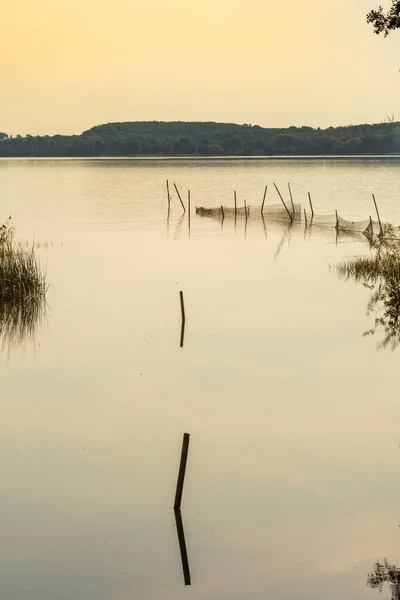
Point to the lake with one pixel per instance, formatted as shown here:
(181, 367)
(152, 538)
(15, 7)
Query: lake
(292, 488)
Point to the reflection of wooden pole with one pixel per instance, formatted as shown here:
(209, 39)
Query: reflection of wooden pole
(283, 202)
(379, 219)
(263, 202)
(312, 210)
(182, 546)
(182, 471)
(291, 198)
(179, 196)
(182, 340)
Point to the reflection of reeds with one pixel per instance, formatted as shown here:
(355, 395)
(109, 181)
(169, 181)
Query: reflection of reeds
(22, 294)
(380, 273)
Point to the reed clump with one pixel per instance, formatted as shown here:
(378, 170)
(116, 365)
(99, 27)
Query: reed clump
(22, 289)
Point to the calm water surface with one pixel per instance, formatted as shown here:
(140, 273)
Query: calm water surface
(293, 482)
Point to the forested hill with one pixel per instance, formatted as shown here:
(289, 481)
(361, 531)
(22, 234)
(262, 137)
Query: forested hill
(184, 138)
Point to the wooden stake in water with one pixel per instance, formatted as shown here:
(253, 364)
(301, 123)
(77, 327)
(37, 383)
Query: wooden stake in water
(337, 221)
(234, 199)
(311, 206)
(189, 210)
(168, 194)
(305, 217)
(222, 212)
(179, 196)
(379, 219)
(283, 202)
(263, 202)
(291, 198)
(245, 209)
(182, 471)
(182, 306)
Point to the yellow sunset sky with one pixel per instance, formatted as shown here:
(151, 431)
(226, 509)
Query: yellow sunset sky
(67, 65)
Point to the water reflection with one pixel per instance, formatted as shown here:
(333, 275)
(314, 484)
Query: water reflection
(381, 274)
(20, 322)
(385, 573)
(182, 546)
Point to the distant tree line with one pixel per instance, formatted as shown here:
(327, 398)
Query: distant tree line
(207, 139)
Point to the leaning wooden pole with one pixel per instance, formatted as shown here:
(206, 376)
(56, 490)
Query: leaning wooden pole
(291, 198)
(179, 196)
(311, 206)
(379, 218)
(263, 202)
(283, 202)
(168, 194)
(182, 471)
(189, 210)
(305, 217)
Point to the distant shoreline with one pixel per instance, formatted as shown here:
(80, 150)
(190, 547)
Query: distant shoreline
(194, 157)
(209, 140)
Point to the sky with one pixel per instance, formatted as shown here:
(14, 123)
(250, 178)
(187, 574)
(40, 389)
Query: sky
(67, 65)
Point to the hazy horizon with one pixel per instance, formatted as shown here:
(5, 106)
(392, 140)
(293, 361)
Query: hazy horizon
(74, 65)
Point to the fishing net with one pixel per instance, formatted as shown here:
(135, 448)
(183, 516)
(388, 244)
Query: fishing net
(217, 213)
(323, 220)
(367, 226)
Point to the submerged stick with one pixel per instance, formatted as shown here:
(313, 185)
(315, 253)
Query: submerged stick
(179, 196)
(283, 202)
(379, 219)
(291, 198)
(182, 546)
(263, 202)
(312, 210)
(182, 471)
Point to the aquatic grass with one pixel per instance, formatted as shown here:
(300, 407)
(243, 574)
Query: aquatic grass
(21, 277)
(22, 290)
